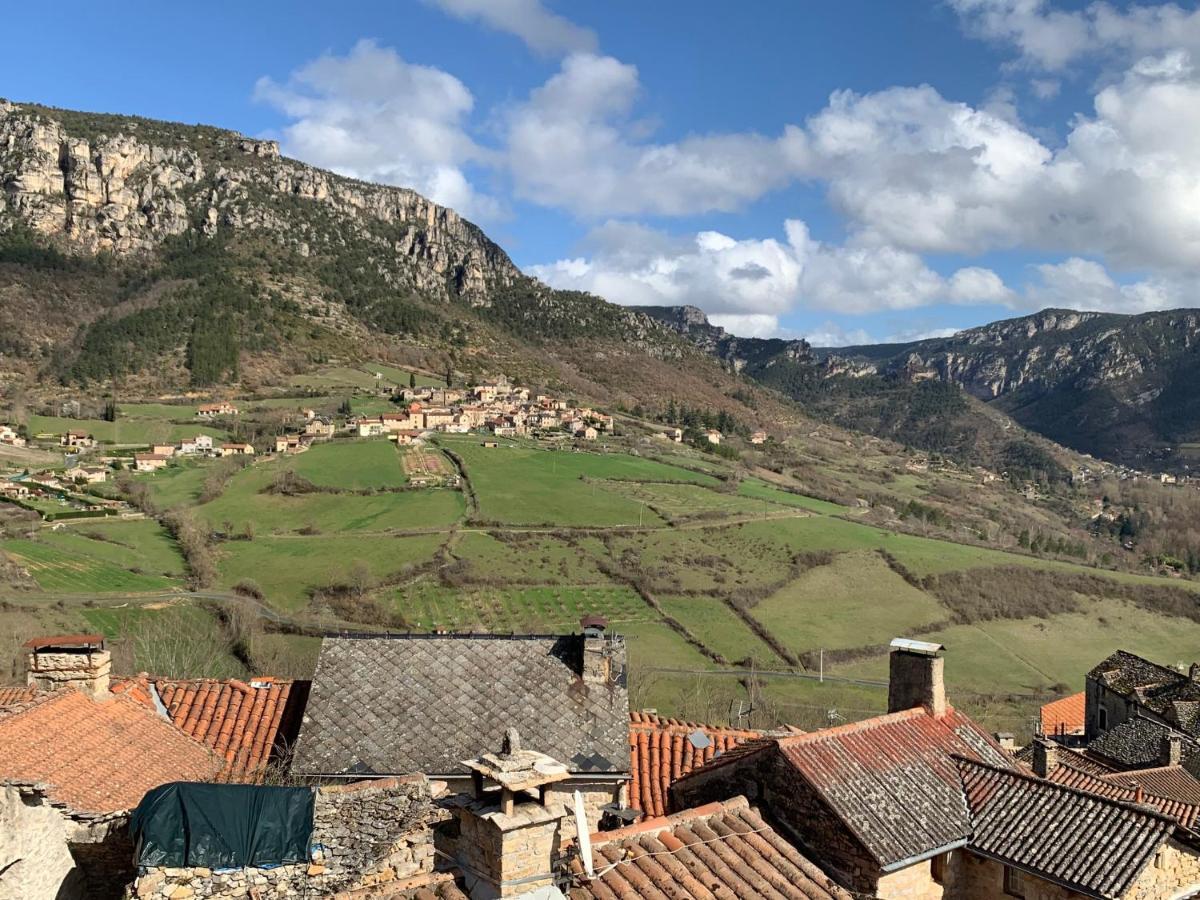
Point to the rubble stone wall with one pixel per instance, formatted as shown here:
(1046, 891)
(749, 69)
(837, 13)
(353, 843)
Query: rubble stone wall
(366, 833)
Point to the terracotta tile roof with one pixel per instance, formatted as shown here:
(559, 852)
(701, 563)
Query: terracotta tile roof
(1065, 716)
(1175, 782)
(891, 780)
(661, 750)
(719, 850)
(64, 640)
(1075, 758)
(10, 696)
(241, 722)
(1118, 787)
(1090, 844)
(96, 756)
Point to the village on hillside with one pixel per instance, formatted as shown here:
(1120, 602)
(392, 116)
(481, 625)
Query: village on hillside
(494, 407)
(524, 772)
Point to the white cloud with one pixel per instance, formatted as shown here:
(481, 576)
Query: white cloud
(912, 170)
(573, 144)
(372, 115)
(1051, 39)
(1086, 285)
(830, 334)
(542, 30)
(746, 285)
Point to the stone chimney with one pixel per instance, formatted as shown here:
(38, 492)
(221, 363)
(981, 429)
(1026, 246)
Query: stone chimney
(1194, 671)
(1170, 749)
(916, 677)
(597, 667)
(1045, 757)
(1006, 740)
(68, 660)
(509, 834)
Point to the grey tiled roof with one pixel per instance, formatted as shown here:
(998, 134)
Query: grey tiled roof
(1167, 692)
(1094, 845)
(1136, 744)
(402, 704)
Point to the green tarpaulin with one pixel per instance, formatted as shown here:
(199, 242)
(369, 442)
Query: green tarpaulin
(222, 826)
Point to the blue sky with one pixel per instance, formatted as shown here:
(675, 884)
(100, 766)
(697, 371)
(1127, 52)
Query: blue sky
(846, 170)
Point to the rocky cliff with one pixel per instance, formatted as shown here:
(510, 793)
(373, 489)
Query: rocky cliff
(123, 185)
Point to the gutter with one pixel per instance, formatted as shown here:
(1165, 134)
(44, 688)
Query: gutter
(921, 857)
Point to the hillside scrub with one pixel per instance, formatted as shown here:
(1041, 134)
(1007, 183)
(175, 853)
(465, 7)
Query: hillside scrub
(1020, 592)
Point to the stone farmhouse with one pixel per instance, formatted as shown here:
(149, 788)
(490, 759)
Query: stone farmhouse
(150, 462)
(10, 437)
(77, 440)
(212, 410)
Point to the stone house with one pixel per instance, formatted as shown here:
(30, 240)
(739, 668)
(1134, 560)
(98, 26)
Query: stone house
(1125, 687)
(320, 428)
(150, 462)
(74, 760)
(87, 474)
(922, 803)
(212, 410)
(287, 443)
(564, 693)
(712, 436)
(235, 450)
(758, 437)
(163, 449)
(14, 489)
(78, 439)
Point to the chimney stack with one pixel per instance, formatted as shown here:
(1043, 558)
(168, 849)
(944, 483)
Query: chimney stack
(509, 835)
(916, 677)
(68, 660)
(1194, 671)
(1170, 749)
(597, 665)
(1045, 757)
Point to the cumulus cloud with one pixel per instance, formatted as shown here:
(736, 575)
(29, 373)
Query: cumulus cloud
(542, 30)
(746, 285)
(1051, 39)
(1083, 284)
(911, 169)
(574, 143)
(372, 115)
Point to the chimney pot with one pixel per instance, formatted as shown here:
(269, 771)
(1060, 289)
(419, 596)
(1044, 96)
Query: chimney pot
(916, 677)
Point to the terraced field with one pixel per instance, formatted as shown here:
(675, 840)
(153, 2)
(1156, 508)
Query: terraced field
(69, 571)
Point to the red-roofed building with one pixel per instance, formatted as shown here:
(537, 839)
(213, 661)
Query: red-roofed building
(1064, 720)
(722, 849)
(71, 768)
(663, 750)
(247, 724)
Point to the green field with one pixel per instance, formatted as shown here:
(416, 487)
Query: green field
(141, 432)
(529, 610)
(245, 501)
(351, 465)
(178, 484)
(62, 571)
(760, 490)
(720, 629)
(518, 485)
(287, 569)
(140, 545)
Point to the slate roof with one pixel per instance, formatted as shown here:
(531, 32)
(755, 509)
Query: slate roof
(424, 703)
(96, 756)
(1137, 744)
(1065, 716)
(661, 751)
(242, 722)
(1171, 694)
(721, 850)
(1087, 843)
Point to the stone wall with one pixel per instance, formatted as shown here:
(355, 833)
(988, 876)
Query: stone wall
(506, 855)
(364, 834)
(913, 882)
(1175, 872)
(597, 794)
(45, 854)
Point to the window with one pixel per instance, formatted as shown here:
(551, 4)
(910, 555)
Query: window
(1103, 719)
(937, 867)
(1012, 882)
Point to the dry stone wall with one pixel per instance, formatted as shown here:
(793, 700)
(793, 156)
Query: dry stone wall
(364, 834)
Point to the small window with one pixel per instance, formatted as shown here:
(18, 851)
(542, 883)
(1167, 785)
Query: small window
(1103, 719)
(937, 868)
(1012, 882)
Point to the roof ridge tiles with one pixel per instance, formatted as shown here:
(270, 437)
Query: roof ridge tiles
(824, 734)
(651, 827)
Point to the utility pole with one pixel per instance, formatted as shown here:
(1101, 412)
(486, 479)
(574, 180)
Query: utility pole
(821, 678)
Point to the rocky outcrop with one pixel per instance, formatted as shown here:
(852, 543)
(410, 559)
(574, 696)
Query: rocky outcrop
(120, 193)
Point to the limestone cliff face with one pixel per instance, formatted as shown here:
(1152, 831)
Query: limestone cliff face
(124, 191)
